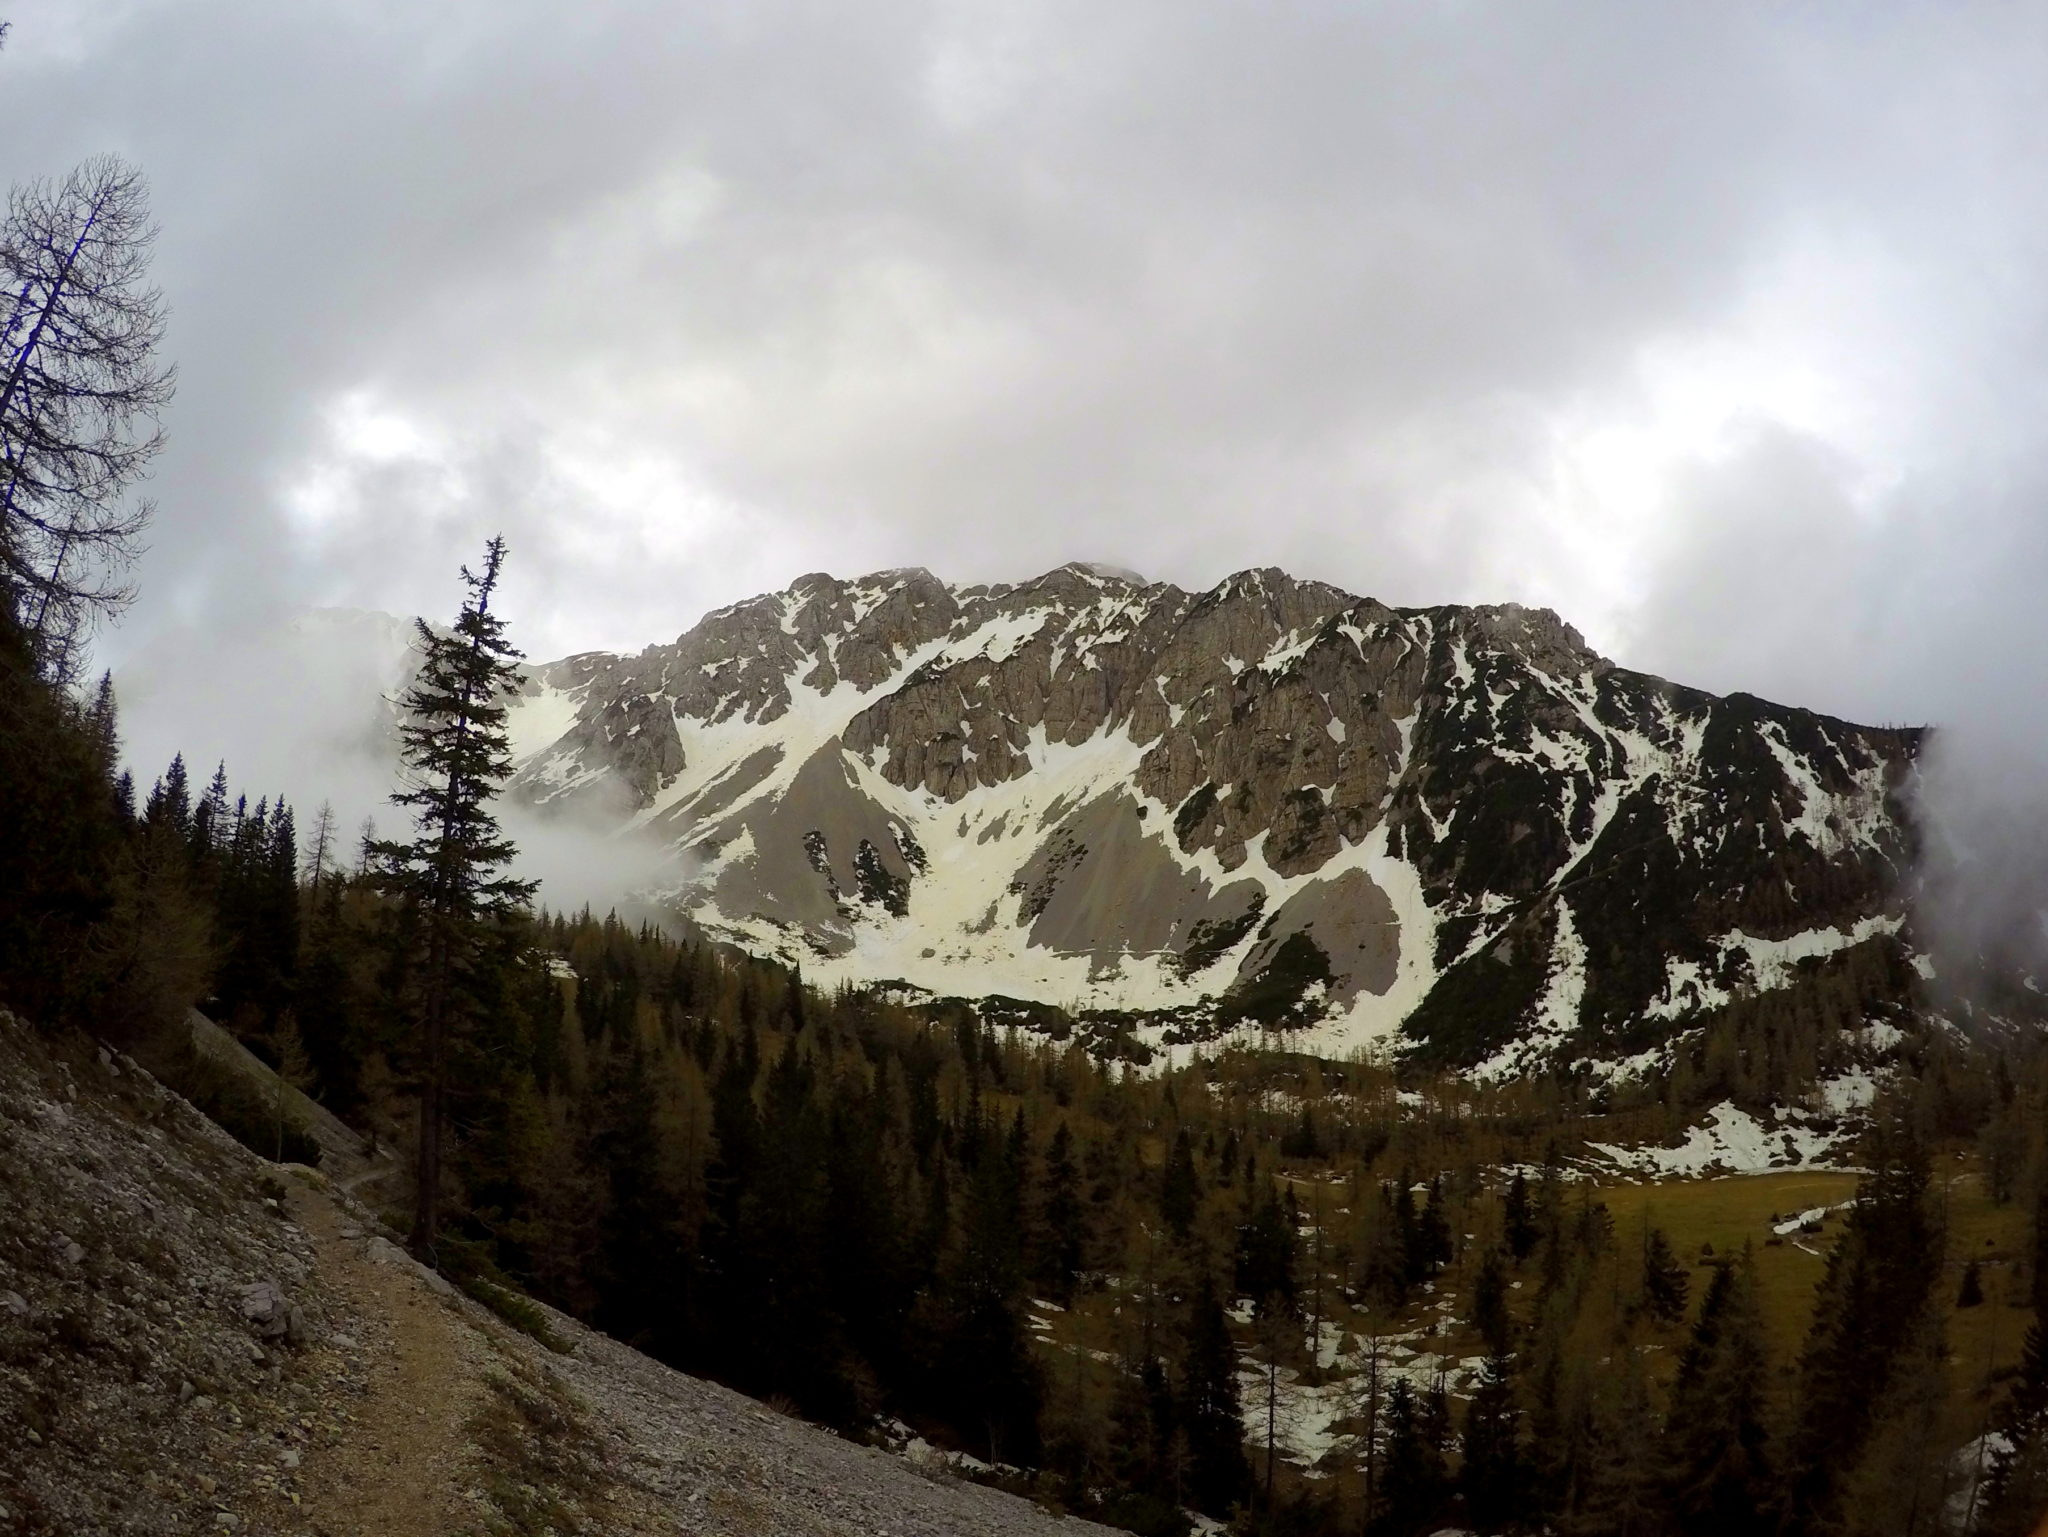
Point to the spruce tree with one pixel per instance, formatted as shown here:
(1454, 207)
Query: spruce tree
(1901, 1483)
(1265, 1256)
(1491, 1478)
(1210, 1411)
(1490, 1314)
(1970, 1293)
(1716, 1443)
(2016, 1486)
(169, 807)
(1384, 1271)
(62, 854)
(1870, 1302)
(1060, 1218)
(981, 1366)
(1430, 1249)
(1664, 1283)
(449, 875)
(1618, 1493)
(1179, 1192)
(1415, 1481)
(1519, 1219)
(2016, 1490)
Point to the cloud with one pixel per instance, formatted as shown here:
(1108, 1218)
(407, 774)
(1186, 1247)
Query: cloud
(760, 289)
(1718, 328)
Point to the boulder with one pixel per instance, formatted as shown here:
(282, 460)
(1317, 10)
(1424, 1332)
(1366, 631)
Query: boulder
(265, 1310)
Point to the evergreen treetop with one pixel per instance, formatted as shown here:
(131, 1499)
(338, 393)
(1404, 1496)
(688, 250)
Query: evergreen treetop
(456, 752)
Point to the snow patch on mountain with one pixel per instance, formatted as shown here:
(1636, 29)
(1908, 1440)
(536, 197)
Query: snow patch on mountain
(1094, 793)
(1556, 1016)
(537, 721)
(1774, 963)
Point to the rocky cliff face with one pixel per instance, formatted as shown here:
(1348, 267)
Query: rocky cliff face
(1273, 804)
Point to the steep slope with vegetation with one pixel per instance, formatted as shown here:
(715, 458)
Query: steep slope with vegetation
(193, 1339)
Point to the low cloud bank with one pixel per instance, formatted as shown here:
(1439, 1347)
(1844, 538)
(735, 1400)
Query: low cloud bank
(303, 708)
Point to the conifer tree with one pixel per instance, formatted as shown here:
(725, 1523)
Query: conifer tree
(77, 943)
(1266, 1257)
(1664, 1283)
(169, 807)
(449, 876)
(1900, 1484)
(1430, 1249)
(1414, 1480)
(1970, 1293)
(1718, 1476)
(1210, 1411)
(80, 391)
(320, 856)
(1518, 1219)
(1871, 1299)
(2017, 1487)
(210, 823)
(1061, 1217)
(1368, 1404)
(1619, 1494)
(1490, 1304)
(1384, 1273)
(1179, 1189)
(1491, 1478)
(293, 1073)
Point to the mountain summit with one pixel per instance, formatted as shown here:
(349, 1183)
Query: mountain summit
(1272, 804)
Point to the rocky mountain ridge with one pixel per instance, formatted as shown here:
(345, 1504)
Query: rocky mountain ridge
(1457, 831)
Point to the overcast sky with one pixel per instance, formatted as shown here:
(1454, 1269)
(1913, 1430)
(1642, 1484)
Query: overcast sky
(1718, 328)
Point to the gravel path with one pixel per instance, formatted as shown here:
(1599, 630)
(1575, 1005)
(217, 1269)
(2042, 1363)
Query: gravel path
(404, 1456)
(722, 1465)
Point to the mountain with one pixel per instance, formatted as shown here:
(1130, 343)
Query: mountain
(1456, 830)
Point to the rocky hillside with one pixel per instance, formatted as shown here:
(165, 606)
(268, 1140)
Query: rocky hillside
(1272, 804)
(195, 1340)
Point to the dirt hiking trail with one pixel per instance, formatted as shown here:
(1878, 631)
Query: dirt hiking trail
(401, 1464)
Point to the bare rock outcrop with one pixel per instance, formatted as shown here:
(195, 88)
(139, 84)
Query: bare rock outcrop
(1083, 787)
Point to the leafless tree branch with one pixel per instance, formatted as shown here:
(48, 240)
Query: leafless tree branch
(80, 394)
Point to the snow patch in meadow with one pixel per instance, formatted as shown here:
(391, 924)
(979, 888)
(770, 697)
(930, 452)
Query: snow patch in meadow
(1732, 1141)
(1305, 1415)
(1814, 1214)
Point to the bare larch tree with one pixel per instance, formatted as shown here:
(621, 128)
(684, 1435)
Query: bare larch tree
(80, 393)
